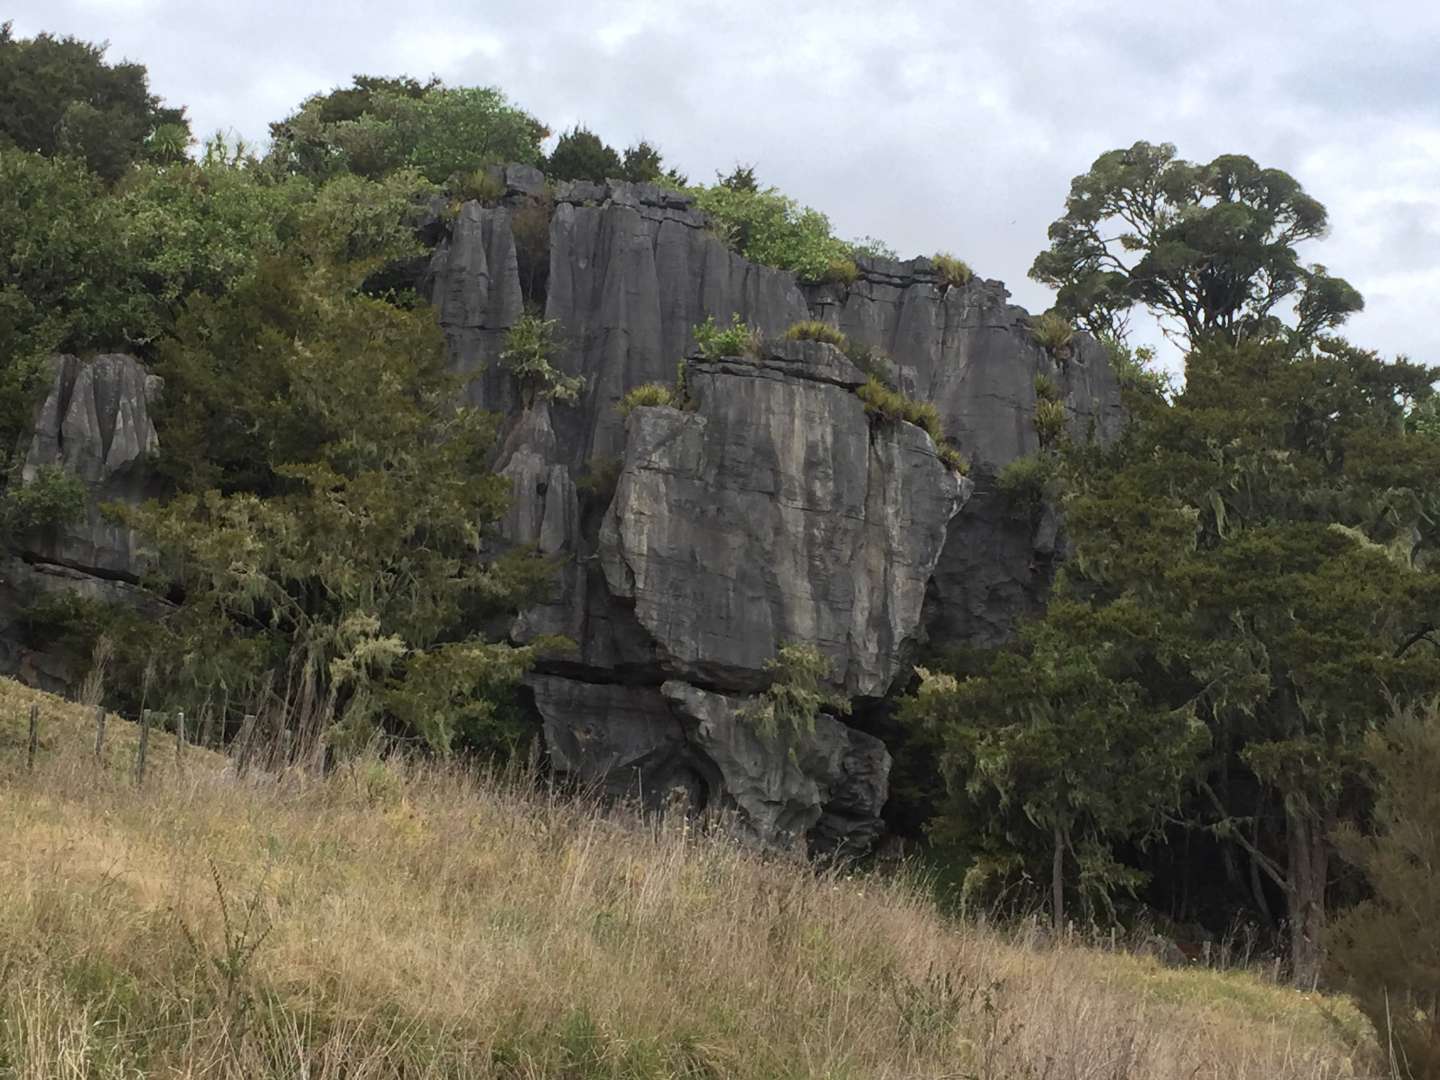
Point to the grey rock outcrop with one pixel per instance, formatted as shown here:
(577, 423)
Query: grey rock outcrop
(95, 424)
(776, 512)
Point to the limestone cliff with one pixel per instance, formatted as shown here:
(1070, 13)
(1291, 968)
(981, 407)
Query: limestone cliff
(691, 543)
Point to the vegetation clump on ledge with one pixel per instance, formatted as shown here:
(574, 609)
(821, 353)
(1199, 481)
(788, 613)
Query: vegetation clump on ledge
(815, 330)
(643, 395)
(716, 342)
(953, 272)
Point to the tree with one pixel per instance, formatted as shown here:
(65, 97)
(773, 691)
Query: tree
(1388, 946)
(58, 96)
(1256, 554)
(769, 227)
(580, 154)
(379, 126)
(1210, 248)
(1066, 741)
(325, 550)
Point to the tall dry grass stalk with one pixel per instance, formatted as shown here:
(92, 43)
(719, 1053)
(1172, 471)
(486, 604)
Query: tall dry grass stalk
(92, 687)
(400, 920)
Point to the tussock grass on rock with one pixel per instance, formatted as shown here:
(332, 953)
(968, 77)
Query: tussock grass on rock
(399, 920)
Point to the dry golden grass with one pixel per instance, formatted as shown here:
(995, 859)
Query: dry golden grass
(395, 920)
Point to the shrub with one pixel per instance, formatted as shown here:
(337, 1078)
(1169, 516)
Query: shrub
(872, 361)
(815, 330)
(840, 271)
(52, 497)
(1387, 946)
(1045, 389)
(1053, 333)
(643, 395)
(1049, 422)
(580, 154)
(529, 347)
(892, 405)
(482, 185)
(953, 272)
(770, 228)
(1132, 367)
(952, 457)
(737, 339)
(872, 248)
(797, 694)
(1025, 479)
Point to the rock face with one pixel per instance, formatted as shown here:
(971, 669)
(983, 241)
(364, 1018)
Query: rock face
(776, 512)
(95, 424)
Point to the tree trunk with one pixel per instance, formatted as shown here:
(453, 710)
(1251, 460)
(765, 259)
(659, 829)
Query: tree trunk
(1309, 858)
(1057, 882)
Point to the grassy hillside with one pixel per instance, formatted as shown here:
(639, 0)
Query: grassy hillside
(393, 920)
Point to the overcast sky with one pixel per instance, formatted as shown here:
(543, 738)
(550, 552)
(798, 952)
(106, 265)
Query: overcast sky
(932, 125)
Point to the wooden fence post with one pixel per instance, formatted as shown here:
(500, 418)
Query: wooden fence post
(100, 734)
(144, 746)
(179, 739)
(247, 734)
(34, 737)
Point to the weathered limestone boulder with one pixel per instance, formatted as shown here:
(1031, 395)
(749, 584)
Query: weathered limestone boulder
(776, 512)
(95, 424)
(784, 784)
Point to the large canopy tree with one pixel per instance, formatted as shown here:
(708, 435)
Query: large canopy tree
(1258, 554)
(1210, 249)
(58, 96)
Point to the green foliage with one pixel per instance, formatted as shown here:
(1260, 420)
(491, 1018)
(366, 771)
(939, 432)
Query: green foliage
(378, 126)
(581, 155)
(814, 330)
(1212, 248)
(1056, 741)
(1028, 480)
(58, 97)
(880, 401)
(952, 458)
(481, 185)
(770, 228)
(737, 339)
(530, 346)
(953, 272)
(1254, 554)
(1045, 389)
(870, 247)
(1049, 420)
(1053, 333)
(840, 271)
(51, 496)
(797, 694)
(1388, 946)
(1134, 368)
(647, 394)
(873, 362)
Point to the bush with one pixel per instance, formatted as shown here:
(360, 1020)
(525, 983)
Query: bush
(580, 154)
(1053, 333)
(481, 185)
(52, 497)
(737, 339)
(954, 272)
(770, 228)
(950, 456)
(1045, 389)
(892, 405)
(529, 347)
(870, 247)
(841, 271)
(815, 330)
(645, 395)
(873, 362)
(1049, 422)
(1025, 479)
(1388, 947)
(1133, 369)
(797, 694)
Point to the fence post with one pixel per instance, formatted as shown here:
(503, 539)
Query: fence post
(34, 737)
(179, 739)
(247, 733)
(144, 746)
(100, 734)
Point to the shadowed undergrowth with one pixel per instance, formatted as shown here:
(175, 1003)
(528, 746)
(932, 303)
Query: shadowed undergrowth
(403, 920)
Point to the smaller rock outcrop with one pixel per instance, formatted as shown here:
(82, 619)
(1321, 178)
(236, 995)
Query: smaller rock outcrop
(95, 424)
